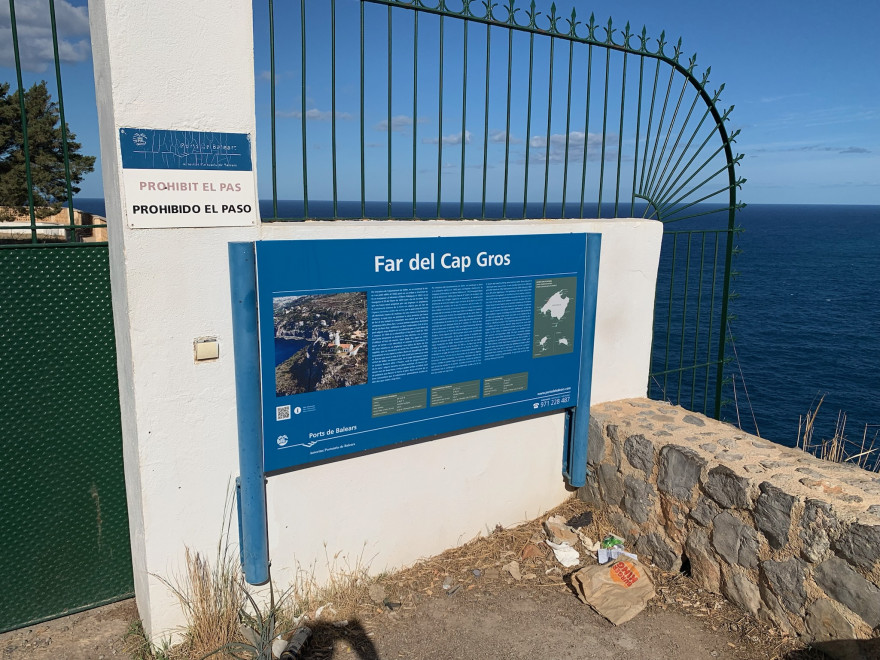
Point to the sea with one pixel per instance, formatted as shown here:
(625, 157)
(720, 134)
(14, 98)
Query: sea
(285, 348)
(807, 314)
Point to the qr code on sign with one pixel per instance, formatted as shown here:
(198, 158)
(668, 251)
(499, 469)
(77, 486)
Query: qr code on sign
(282, 413)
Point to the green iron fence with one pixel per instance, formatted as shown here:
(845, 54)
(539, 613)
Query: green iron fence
(487, 110)
(31, 210)
(63, 524)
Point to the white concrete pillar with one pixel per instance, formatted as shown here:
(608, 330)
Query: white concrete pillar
(187, 66)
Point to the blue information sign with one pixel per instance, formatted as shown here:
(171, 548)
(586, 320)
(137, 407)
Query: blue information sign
(371, 342)
(150, 149)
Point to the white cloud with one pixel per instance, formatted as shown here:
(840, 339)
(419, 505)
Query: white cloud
(399, 124)
(501, 137)
(35, 34)
(313, 115)
(265, 75)
(576, 142)
(781, 147)
(454, 138)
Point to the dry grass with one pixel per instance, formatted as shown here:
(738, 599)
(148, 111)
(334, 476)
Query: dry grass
(838, 448)
(211, 597)
(345, 588)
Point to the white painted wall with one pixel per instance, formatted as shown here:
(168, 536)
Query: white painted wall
(160, 65)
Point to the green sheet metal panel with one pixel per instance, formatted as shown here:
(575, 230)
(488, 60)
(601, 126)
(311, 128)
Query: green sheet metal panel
(64, 543)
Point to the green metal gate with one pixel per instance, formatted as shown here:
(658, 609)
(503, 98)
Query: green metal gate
(466, 109)
(64, 542)
(63, 523)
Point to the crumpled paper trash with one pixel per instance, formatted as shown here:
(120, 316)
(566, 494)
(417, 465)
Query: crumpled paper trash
(565, 554)
(588, 543)
(618, 591)
(559, 532)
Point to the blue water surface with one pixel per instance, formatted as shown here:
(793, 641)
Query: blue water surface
(285, 348)
(809, 317)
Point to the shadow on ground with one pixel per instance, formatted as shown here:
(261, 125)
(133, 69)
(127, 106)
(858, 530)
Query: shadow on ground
(330, 641)
(841, 649)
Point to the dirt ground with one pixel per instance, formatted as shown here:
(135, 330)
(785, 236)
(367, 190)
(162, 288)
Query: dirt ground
(464, 605)
(508, 621)
(93, 635)
(527, 623)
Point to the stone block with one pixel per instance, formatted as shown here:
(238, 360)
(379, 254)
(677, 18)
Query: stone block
(825, 622)
(655, 546)
(728, 488)
(860, 545)
(610, 484)
(693, 419)
(680, 470)
(612, 433)
(638, 499)
(589, 492)
(595, 442)
(818, 527)
(834, 636)
(705, 571)
(623, 526)
(705, 511)
(674, 521)
(639, 452)
(737, 587)
(736, 542)
(786, 579)
(772, 465)
(773, 514)
(773, 611)
(846, 586)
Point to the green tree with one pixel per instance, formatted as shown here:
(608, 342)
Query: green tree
(46, 149)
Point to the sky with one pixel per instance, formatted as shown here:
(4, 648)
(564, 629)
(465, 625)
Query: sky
(803, 77)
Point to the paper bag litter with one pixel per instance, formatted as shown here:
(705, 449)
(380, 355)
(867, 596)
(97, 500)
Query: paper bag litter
(618, 591)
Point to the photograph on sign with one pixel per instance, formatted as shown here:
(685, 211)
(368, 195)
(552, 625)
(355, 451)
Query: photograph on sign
(372, 342)
(320, 342)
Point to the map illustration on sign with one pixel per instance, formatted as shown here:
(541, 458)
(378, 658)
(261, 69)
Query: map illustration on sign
(554, 316)
(320, 342)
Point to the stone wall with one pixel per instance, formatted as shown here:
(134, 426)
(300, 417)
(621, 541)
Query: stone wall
(788, 537)
(46, 231)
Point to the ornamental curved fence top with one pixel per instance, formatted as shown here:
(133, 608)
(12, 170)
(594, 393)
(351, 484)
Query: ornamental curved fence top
(482, 110)
(488, 110)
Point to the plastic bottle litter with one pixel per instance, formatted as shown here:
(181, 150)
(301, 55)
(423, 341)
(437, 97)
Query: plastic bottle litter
(611, 548)
(604, 555)
(610, 541)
